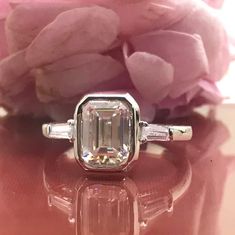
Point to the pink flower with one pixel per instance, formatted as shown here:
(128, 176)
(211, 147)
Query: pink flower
(167, 54)
(215, 3)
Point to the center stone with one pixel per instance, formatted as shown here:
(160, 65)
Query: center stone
(106, 128)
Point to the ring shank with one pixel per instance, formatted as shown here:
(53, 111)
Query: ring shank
(180, 133)
(155, 132)
(148, 132)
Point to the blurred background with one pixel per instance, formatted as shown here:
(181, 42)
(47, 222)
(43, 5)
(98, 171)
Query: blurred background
(228, 17)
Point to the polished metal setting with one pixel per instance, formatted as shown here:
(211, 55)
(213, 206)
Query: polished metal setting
(107, 132)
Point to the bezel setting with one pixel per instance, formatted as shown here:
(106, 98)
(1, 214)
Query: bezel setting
(135, 144)
(107, 132)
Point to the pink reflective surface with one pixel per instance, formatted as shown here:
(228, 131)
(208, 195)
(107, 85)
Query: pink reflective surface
(175, 188)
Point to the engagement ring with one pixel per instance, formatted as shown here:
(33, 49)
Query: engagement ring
(107, 132)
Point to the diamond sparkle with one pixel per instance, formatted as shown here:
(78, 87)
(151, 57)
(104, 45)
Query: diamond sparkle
(106, 127)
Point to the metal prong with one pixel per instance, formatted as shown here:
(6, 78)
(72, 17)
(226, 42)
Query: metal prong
(46, 129)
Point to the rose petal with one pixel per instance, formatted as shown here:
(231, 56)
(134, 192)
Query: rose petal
(146, 15)
(148, 110)
(204, 21)
(4, 11)
(26, 21)
(3, 42)
(210, 92)
(81, 30)
(75, 75)
(24, 103)
(192, 93)
(151, 75)
(120, 82)
(215, 3)
(60, 111)
(14, 74)
(204, 92)
(17, 2)
(185, 52)
(171, 103)
(139, 17)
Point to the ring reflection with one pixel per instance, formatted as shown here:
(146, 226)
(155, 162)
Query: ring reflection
(119, 204)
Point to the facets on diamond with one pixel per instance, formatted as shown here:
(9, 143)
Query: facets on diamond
(155, 132)
(106, 128)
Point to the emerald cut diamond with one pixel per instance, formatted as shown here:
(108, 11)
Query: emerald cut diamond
(106, 133)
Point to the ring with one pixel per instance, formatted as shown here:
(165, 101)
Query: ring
(107, 132)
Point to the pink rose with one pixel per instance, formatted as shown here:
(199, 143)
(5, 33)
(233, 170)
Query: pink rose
(167, 54)
(215, 3)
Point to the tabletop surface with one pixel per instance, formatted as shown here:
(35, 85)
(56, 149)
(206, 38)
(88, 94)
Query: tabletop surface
(175, 188)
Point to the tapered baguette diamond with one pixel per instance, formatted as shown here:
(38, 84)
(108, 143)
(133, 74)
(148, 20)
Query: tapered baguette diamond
(59, 130)
(153, 132)
(106, 127)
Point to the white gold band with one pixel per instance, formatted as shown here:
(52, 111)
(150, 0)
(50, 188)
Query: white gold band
(148, 132)
(155, 132)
